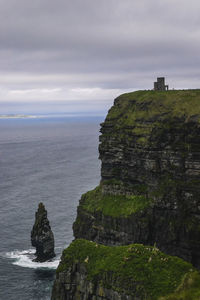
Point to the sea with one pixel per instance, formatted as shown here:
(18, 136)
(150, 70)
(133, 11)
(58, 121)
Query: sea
(44, 159)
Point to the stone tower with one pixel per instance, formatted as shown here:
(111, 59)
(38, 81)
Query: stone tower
(159, 85)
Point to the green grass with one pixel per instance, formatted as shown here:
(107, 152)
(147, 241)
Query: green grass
(139, 112)
(148, 104)
(134, 269)
(189, 289)
(113, 205)
(142, 111)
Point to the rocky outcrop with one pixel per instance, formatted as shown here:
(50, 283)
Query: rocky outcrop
(149, 148)
(42, 236)
(91, 271)
(150, 194)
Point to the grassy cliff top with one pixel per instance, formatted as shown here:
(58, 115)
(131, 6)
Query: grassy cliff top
(134, 269)
(156, 106)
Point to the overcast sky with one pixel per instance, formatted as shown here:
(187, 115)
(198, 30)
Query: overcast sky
(77, 55)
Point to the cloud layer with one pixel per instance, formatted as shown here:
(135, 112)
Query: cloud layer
(86, 50)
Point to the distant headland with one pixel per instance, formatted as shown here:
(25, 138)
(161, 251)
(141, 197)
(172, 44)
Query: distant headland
(13, 116)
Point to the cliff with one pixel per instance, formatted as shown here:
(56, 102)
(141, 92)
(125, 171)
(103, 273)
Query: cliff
(91, 271)
(150, 187)
(149, 194)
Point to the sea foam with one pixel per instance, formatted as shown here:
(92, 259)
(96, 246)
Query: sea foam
(24, 259)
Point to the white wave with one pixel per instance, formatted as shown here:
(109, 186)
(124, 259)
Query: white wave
(24, 259)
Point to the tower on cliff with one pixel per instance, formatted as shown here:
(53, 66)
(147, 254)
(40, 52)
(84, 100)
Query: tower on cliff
(159, 85)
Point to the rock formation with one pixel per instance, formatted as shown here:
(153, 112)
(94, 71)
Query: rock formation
(90, 271)
(150, 152)
(150, 187)
(42, 236)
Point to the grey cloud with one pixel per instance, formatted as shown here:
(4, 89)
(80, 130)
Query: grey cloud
(111, 44)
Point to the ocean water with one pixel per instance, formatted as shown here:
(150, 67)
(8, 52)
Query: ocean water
(53, 160)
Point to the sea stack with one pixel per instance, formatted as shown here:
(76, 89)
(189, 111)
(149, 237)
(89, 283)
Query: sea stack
(42, 236)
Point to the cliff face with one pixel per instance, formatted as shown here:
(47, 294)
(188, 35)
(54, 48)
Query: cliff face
(149, 194)
(150, 153)
(91, 271)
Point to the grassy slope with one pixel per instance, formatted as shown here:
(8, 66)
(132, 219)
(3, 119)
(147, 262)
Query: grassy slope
(176, 103)
(154, 273)
(113, 205)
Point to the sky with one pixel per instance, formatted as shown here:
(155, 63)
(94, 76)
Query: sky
(78, 55)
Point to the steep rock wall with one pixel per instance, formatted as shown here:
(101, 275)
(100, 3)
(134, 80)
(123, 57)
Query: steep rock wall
(149, 148)
(91, 271)
(149, 193)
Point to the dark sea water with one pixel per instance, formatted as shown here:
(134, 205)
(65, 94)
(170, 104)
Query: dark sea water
(53, 160)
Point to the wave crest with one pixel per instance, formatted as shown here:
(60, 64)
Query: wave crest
(24, 259)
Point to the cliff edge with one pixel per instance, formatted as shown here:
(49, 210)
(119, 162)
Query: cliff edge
(149, 194)
(150, 187)
(92, 271)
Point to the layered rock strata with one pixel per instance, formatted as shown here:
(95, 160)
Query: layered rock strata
(42, 236)
(91, 271)
(150, 149)
(150, 194)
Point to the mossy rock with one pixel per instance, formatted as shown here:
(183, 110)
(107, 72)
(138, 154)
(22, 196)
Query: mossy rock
(134, 270)
(142, 112)
(113, 205)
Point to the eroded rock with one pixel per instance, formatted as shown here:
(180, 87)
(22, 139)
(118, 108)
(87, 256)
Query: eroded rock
(149, 193)
(148, 153)
(42, 236)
